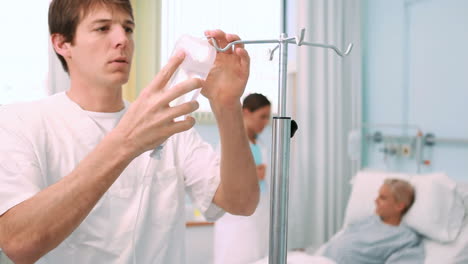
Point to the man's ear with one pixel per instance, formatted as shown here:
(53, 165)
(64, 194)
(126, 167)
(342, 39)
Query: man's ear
(245, 112)
(60, 45)
(401, 206)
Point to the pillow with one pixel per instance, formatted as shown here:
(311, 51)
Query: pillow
(437, 212)
(453, 252)
(366, 185)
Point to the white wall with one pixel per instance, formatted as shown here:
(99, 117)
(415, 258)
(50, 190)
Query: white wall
(415, 65)
(23, 51)
(199, 245)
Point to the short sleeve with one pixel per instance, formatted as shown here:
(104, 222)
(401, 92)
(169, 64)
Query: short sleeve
(20, 176)
(201, 167)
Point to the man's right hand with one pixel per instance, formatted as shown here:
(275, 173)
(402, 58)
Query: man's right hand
(150, 120)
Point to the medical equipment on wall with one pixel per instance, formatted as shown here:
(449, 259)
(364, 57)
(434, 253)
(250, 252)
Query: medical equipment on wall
(403, 143)
(283, 130)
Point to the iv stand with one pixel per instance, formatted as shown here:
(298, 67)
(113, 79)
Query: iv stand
(279, 190)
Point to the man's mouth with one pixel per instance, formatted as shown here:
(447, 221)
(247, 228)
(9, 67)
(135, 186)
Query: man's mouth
(120, 60)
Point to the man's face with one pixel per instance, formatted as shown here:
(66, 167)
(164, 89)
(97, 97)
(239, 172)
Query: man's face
(385, 204)
(102, 50)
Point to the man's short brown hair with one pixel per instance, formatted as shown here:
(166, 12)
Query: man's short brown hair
(65, 15)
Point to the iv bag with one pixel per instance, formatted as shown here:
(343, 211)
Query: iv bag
(199, 59)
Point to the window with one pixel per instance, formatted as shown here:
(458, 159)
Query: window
(24, 51)
(250, 20)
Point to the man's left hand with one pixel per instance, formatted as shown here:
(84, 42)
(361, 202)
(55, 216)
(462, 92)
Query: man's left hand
(226, 81)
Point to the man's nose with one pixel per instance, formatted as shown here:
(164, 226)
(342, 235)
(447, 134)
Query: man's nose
(120, 37)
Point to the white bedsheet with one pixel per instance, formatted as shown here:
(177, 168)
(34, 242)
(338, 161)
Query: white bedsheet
(296, 257)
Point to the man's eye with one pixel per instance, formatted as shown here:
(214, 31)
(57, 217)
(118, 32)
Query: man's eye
(129, 30)
(102, 29)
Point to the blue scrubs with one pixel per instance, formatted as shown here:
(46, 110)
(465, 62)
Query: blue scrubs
(257, 155)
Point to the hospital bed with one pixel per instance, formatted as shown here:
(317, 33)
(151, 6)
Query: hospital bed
(439, 214)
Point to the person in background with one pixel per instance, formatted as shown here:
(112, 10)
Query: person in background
(381, 238)
(256, 110)
(244, 239)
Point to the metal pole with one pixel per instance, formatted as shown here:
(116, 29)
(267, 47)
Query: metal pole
(280, 141)
(284, 10)
(280, 167)
(283, 77)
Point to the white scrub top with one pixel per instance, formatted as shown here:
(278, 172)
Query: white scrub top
(140, 218)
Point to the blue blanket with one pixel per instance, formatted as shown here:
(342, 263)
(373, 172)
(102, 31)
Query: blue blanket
(371, 241)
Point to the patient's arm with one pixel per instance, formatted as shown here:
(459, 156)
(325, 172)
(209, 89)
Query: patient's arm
(319, 250)
(408, 255)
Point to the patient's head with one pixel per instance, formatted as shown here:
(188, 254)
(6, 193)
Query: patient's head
(394, 200)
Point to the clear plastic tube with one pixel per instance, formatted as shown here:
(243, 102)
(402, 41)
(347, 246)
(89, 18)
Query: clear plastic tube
(199, 59)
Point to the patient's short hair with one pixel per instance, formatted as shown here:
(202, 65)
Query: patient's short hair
(402, 191)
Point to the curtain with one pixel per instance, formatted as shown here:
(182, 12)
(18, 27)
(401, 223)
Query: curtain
(326, 102)
(146, 58)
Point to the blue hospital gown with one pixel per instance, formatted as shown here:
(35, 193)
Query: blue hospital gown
(371, 241)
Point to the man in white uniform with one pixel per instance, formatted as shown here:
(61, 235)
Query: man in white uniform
(77, 181)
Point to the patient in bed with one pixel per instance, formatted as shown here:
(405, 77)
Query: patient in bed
(380, 238)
